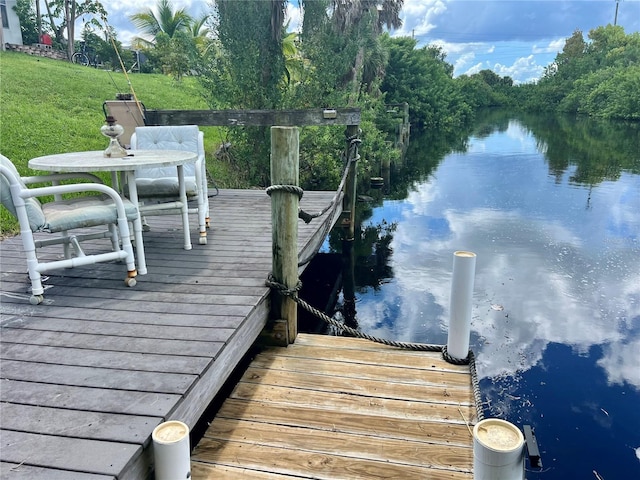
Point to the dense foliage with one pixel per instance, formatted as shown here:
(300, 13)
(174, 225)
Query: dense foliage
(599, 77)
(245, 58)
(422, 78)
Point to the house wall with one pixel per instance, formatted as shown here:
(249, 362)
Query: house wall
(10, 24)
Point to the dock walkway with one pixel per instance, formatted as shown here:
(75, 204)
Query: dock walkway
(340, 408)
(88, 374)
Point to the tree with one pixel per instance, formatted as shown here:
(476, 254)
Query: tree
(173, 38)
(166, 21)
(62, 16)
(244, 68)
(361, 22)
(594, 78)
(250, 61)
(422, 78)
(28, 21)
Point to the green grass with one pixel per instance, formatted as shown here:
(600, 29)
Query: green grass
(51, 106)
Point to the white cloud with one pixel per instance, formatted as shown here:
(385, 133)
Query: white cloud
(554, 46)
(621, 361)
(463, 61)
(523, 69)
(419, 16)
(474, 69)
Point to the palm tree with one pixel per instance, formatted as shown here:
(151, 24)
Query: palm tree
(200, 32)
(370, 59)
(167, 21)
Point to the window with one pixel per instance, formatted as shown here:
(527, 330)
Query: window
(3, 12)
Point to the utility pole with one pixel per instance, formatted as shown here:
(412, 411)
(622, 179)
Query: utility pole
(615, 20)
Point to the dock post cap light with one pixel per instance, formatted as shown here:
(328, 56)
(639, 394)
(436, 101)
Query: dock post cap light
(498, 450)
(171, 451)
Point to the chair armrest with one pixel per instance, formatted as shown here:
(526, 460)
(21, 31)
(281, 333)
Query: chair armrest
(77, 188)
(54, 177)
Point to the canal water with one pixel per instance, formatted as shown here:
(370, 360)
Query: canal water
(551, 207)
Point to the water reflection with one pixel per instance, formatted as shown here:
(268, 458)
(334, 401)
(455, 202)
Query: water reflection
(553, 214)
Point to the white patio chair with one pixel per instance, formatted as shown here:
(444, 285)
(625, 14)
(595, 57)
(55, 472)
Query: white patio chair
(60, 216)
(158, 190)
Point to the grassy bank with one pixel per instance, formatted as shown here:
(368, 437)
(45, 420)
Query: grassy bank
(50, 106)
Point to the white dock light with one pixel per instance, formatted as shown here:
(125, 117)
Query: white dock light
(498, 451)
(171, 451)
(464, 269)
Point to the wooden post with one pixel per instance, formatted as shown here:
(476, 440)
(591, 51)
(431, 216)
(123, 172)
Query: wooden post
(284, 218)
(349, 199)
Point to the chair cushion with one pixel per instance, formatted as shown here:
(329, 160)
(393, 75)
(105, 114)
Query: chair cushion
(181, 137)
(164, 187)
(83, 212)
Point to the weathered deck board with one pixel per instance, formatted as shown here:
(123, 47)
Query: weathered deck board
(87, 375)
(342, 408)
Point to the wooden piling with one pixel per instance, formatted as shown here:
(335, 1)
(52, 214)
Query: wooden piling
(349, 199)
(284, 217)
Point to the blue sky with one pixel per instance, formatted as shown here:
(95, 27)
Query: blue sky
(517, 38)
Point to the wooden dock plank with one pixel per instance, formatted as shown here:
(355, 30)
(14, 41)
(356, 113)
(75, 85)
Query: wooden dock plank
(313, 411)
(334, 383)
(16, 312)
(145, 362)
(60, 452)
(77, 423)
(303, 464)
(15, 471)
(397, 372)
(87, 398)
(223, 472)
(349, 402)
(332, 421)
(123, 329)
(150, 346)
(363, 446)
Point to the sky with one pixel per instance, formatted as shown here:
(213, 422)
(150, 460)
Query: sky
(516, 38)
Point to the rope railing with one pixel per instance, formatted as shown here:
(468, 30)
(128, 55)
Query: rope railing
(352, 157)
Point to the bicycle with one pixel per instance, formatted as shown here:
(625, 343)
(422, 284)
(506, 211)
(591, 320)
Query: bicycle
(85, 56)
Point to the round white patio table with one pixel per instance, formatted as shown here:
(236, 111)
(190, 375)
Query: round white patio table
(95, 161)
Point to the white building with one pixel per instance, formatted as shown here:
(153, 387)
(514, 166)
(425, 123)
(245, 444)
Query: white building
(10, 24)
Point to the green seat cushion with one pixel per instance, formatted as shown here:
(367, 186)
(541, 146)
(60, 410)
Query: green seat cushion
(80, 212)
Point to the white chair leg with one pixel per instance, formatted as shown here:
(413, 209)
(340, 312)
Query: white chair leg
(184, 208)
(113, 236)
(32, 265)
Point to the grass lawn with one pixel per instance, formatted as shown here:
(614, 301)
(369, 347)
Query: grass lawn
(51, 106)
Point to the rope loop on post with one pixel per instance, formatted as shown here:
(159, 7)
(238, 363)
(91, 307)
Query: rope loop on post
(286, 188)
(282, 288)
(454, 360)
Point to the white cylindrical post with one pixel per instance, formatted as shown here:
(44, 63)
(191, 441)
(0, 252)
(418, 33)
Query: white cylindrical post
(171, 451)
(498, 451)
(464, 269)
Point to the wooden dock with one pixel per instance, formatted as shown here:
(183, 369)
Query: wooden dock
(88, 374)
(342, 408)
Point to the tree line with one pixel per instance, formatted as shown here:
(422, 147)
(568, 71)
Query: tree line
(598, 77)
(244, 57)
